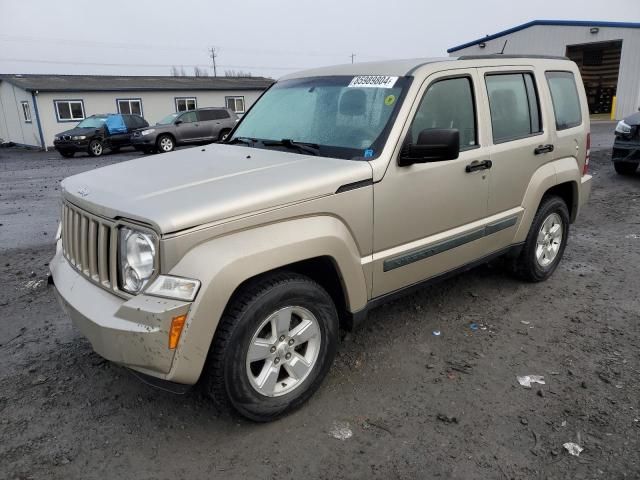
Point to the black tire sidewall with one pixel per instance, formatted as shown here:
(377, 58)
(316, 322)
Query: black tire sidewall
(623, 168)
(242, 395)
(533, 270)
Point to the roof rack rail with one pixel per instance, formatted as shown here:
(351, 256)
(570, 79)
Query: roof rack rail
(503, 55)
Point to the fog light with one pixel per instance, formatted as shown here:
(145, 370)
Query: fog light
(177, 323)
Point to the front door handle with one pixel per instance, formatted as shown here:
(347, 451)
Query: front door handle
(543, 149)
(478, 165)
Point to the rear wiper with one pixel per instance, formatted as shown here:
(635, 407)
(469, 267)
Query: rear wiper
(311, 148)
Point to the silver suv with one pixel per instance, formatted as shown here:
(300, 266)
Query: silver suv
(343, 187)
(204, 125)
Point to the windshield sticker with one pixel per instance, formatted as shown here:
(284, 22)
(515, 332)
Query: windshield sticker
(373, 81)
(388, 101)
(368, 153)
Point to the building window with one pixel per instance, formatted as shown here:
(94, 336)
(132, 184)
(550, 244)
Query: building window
(69, 110)
(235, 104)
(26, 112)
(129, 106)
(184, 104)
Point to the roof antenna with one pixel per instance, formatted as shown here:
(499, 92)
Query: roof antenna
(503, 47)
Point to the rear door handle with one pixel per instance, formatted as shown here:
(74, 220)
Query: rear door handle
(478, 165)
(543, 149)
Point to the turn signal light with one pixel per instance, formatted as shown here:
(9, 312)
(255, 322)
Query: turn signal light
(177, 323)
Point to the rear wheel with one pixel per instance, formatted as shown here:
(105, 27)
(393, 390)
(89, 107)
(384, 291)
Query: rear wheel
(545, 242)
(67, 154)
(165, 143)
(624, 168)
(273, 347)
(95, 148)
(223, 135)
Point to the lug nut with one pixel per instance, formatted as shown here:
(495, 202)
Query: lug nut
(282, 338)
(291, 342)
(272, 349)
(276, 360)
(287, 356)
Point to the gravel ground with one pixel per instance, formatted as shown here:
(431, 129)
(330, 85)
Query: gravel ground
(399, 401)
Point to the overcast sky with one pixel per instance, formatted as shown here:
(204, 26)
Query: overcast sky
(137, 37)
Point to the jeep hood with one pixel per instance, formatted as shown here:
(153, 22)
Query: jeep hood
(191, 187)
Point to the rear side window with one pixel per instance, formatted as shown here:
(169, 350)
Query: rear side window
(513, 101)
(566, 103)
(205, 115)
(448, 103)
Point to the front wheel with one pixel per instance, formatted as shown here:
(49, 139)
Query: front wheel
(165, 144)
(545, 242)
(273, 346)
(95, 148)
(623, 168)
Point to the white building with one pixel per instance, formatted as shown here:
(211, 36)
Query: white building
(33, 108)
(608, 54)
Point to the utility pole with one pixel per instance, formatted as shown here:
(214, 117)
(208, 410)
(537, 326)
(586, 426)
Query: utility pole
(213, 53)
(353, 55)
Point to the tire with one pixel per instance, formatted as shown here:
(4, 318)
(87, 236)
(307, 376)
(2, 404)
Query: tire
(222, 136)
(624, 168)
(67, 154)
(165, 143)
(232, 380)
(537, 262)
(96, 148)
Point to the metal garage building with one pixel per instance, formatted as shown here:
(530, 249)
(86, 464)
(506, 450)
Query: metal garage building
(33, 108)
(608, 54)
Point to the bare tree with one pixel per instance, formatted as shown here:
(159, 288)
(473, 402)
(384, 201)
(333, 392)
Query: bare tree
(237, 73)
(200, 72)
(178, 72)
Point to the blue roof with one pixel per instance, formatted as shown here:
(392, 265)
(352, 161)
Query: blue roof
(564, 23)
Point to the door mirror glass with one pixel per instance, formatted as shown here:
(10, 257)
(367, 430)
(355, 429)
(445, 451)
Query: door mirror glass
(432, 145)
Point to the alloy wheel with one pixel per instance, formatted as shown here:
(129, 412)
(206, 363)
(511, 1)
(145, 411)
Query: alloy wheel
(549, 240)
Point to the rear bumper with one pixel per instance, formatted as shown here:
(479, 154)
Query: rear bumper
(131, 332)
(585, 191)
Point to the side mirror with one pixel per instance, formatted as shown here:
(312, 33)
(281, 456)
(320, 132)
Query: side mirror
(433, 145)
(177, 122)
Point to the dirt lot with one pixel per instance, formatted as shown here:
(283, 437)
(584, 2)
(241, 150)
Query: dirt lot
(416, 405)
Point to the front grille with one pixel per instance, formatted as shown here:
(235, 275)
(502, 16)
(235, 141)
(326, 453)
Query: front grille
(66, 137)
(89, 244)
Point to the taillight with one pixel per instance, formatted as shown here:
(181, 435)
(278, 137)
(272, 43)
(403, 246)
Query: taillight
(587, 155)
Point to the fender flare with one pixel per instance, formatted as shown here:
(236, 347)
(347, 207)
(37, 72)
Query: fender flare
(224, 263)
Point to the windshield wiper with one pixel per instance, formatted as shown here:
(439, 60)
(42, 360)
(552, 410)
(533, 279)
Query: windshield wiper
(245, 140)
(311, 148)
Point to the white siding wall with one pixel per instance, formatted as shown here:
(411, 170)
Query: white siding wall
(553, 40)
(155, 105)
(13, 127)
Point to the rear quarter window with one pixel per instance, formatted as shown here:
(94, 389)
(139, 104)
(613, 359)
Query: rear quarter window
(565, 99)
(205, 115)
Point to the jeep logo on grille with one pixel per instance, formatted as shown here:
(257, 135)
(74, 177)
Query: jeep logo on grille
(83, 191)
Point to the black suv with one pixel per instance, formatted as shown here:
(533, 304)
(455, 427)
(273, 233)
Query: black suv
(626, 147)
(96, 133)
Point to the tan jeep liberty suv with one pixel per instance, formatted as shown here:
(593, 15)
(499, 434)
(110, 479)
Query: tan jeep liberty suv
(233, 265)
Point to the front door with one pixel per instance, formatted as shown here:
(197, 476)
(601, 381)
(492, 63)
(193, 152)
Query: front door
(188, 130)
(430, 217)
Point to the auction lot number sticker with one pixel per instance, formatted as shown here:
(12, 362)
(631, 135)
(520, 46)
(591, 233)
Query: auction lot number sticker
(373, 81)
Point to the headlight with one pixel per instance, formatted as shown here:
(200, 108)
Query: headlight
(79, 137)
(136, 258)
(148, 131)
(174, 287)
(623, 128)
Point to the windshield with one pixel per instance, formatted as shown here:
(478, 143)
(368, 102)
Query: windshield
(342, 116)
(92, 122)
(168, 119)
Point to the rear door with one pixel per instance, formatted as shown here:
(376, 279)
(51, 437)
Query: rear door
(122, 139)
(520, 140)
(211, 122)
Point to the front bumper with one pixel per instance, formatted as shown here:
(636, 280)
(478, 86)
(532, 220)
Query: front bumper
(144, 141)
(71, 146)
(627, 151)
(132, 332)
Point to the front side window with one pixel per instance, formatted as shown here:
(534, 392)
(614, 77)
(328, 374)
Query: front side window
(448, 103)
(564, 95)
(26, 112)
(189, 117)
(186, 104)
(514, 106)
(235, 104)
(69, 110)
(130, 106)
(342, 116)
